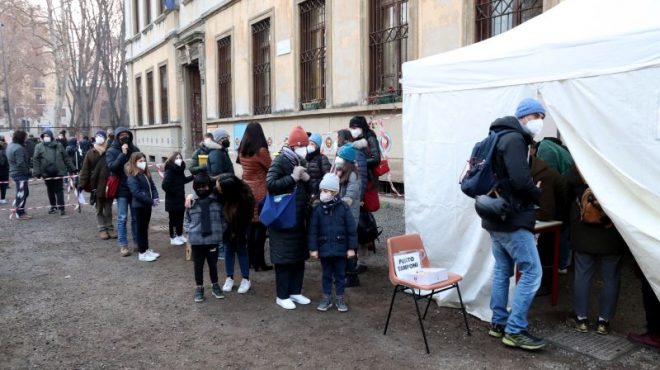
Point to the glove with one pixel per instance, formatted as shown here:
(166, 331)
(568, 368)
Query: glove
(156, 202)
(347, 200)
(298, 172)
(305, 176)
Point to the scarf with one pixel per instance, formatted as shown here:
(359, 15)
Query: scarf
(205, 204)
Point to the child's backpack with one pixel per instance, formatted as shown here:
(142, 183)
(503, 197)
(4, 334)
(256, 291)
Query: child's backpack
(590, 210)
(479, 178)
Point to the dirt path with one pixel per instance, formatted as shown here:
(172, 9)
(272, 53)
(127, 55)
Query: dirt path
(68, 300)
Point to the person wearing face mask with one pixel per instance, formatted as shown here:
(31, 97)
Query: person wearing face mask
(93, 178)
(288, 247)
(174, 183)
(51, 162)
(61, 138)
(19, 171)
(317, 165)
(205, 148)
(359, 129)
(344, 137)
(219, 161)
(332, 238)
(116, 157)
(144, 198)
(513, 239)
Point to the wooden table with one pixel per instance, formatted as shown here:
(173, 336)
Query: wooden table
(547, 227)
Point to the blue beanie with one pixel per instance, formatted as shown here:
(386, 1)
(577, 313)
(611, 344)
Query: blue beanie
(101, 133)
(316, 139)
(347, 152)
(529, 106)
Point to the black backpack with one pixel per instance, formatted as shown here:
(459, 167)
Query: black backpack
(368, 230)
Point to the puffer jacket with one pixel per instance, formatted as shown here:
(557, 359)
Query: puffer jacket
(116, 160)
(143, 191)
(4, 162)
(219, 161)
(255, 169)
(350, 192)
(289, 245)
(174, 185)
(514, 177)
(19, 162)
(194, 224)
(332, 229)
(50, 159)
(317, 166)
(203, 149)
(94, 173)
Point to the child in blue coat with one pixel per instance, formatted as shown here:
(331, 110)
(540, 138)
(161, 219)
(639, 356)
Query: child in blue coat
(332, 238)
(144, 198)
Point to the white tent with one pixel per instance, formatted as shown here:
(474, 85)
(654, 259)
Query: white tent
(596, 66)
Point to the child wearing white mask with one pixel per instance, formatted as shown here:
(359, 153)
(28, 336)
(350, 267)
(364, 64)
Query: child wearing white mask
(144, 198)
(332, 238)
(174, 183)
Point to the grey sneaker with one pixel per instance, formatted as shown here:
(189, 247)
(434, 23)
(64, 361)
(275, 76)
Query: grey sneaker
(217, 291)
(326, 303)
(341, 304)
(523, 340)
(199, 294)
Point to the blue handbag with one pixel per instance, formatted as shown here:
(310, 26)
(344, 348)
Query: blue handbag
(279, 211)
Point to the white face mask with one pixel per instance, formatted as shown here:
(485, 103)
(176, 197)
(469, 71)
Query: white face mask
(208, 141)
(534, 127)
(178, 161)
(325, 196)
(311, 148)
(356, 132)
(99, 140)
(301, 151)
(142, 165)
(46, 139)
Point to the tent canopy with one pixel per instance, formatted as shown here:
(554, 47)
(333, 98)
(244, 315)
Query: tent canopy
(596, 66)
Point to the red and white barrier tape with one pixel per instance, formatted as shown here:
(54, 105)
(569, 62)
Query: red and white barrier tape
(42, 179)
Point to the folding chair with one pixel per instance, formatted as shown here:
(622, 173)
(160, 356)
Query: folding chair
(412, 242)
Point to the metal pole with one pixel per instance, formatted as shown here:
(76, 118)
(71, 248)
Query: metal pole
(4, 67)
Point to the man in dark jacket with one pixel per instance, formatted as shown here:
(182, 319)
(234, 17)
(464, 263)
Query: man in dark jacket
(513, 239)
(4, 170)
(204, 149)
(19, 171)
(116, 157)
(52, 163)
(30, 144)
(219, 161)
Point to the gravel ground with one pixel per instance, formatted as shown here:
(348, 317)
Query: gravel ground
(70, 301)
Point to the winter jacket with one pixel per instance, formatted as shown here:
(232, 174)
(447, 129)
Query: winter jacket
(290, 245)
(218, 161)
(317, 166)
(94, 173)
(30, 145)
(174, 185)
(332, 229)
(4, 162)
(555, 155)
(116, 160)
(143, 191)
(514, 177)
(361, 163)
(195, 168)
(371, 153)
(350, 193)
(588, 238)
(50, 160)
(552, 203)
(18, 160)
(194, 224)
(255, 169)
(75, 153)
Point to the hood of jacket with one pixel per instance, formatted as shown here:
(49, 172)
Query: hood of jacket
(116, 143)
(211, 145)
(510, 123)
(48, 133)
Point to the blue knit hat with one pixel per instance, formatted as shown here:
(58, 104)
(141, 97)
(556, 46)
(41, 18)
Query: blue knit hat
(347, 152)
(101, 133)
(316, 139)
(529, 106)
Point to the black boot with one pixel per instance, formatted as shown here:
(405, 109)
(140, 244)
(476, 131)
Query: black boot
(352, 279)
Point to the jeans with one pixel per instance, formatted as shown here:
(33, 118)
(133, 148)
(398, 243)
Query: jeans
(176, 222)
(610, 273)
(239, 248)
(510, 249)
(205, 253)
(123, 204)
(22, 193)
(143, 216)
(334, 267)
(289, 279)
(104, 214)
(55, 193)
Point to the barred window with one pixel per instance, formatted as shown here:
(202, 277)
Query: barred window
(164, 107)
(497, 16)
(388, 45)
(224, 77)
(150, 97)
(138, 98)
(261, 66)
(136, 16)
(312, 52)
(147, 12)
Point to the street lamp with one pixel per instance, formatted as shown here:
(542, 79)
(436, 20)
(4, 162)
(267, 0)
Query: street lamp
(4, 67)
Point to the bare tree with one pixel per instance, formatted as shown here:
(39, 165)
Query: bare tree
(112, 56)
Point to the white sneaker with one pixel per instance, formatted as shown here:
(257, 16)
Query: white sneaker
(176, 241)
(299, 298)
(146, 257)
(229, 284)
(3, 201)
(182, 239)
(245, 286)
(153, 253)
(287, 304)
